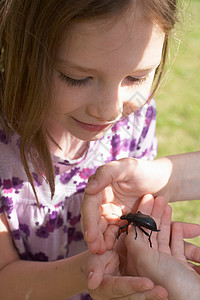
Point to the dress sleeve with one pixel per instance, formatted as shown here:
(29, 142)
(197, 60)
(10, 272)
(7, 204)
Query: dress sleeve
(147, 142)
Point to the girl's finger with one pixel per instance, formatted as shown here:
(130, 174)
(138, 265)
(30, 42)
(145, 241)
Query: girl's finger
(115, 171)
(99, 245)
(90, 216)
(110, 236)
(104, 176)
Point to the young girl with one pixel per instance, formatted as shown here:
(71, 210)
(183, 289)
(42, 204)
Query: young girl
(75, 84)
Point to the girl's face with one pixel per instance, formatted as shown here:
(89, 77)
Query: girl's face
(102, 73)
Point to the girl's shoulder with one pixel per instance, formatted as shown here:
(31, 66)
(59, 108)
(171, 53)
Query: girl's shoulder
(10, 160)
(9, 142)
(12, 175)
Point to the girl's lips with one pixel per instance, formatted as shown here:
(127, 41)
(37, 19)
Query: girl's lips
(91, 127)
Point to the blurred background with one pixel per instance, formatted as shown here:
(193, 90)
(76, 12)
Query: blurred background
(178, 100)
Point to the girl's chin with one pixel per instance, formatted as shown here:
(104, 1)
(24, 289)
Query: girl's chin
(89, 136)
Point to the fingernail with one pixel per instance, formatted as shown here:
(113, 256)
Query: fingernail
(85, 236)
(91, 184)
(161, 297)
(90, 274)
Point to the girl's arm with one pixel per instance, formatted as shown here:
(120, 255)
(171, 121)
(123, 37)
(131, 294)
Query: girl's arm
(37, 280)
(62, 279)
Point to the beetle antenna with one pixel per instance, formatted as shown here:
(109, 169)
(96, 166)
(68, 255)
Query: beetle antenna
(115, 215)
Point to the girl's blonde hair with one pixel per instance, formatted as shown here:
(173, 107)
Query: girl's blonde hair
(29, 35)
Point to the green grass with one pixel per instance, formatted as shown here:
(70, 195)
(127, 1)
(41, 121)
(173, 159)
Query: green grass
(178, 104)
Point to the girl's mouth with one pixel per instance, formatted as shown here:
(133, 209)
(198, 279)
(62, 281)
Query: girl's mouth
(92, 127)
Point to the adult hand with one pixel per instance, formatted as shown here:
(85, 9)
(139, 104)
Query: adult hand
(127, 288)
(166, 263)
(105, 281)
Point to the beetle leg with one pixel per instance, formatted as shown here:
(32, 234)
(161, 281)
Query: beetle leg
(149, 235)
(150, 239)
(135, 230)
(119, 230)
(144, 231)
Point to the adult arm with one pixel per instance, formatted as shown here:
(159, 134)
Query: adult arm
(175, 177)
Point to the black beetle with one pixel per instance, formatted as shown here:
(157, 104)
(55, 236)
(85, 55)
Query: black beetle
(140, 220)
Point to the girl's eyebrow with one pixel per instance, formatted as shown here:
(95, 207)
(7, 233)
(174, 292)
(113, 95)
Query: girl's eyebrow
(66, 63)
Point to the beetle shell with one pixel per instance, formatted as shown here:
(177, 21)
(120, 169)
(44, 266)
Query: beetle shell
(140, 219)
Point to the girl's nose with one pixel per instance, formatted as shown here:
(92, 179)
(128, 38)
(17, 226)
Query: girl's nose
(108, 106)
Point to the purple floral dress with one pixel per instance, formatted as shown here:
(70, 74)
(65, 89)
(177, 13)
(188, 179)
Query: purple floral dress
(53, 232)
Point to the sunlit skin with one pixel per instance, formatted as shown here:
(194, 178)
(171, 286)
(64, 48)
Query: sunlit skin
(99, 69)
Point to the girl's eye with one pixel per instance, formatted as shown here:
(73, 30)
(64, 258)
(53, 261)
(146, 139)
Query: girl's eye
(74, 82)
(136, 81)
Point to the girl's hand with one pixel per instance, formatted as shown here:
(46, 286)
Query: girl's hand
(116, 188)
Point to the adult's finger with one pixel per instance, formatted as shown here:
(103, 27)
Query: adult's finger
(177, 243)
(120, 286)
(190, 230)
(137, 250)
(158, 208)
(157, 293)
(192, 252)
(163, 237)
(110, 236)
(157, 214)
